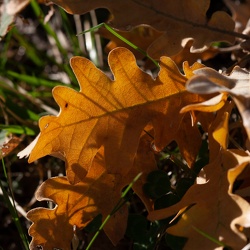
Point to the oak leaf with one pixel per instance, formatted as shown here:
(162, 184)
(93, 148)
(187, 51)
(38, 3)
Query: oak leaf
(212, 208)
(114, 113)
(237, 84)
(241, 13)
(181, 21)
(143, 36)
(99, 134)
(77, 205)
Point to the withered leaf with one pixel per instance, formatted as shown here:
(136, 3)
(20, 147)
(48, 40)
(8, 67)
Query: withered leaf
(237, 84)
(181, 21)
(240, 13)
(11, 143)
(114, 113)
(212, 208)
(99, 134)
(77, 205)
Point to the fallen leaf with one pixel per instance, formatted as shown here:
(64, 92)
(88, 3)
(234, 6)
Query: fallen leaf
(212, 208)
(189, 140)
(143, 36)
(113, 113)
(11, 142)
(240, 11)
(99, 132)
(77, 205)
(237, 84)
(186, 55)
(181, 21)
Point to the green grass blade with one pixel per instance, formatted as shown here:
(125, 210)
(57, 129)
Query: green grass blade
(16, 129)
(33, 80)
(91, 29)
(122, 38)
(130, 185)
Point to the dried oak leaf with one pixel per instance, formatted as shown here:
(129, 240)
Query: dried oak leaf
(186, 55)
(212, 208)
(180, 20)
(240, 11)
(142, 36)
(237, 84)
(11, 142)
(114, 113)
(77, 205)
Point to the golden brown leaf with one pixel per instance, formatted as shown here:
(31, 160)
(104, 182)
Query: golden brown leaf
(212, 208)
(77, 205)
(143, 36)
(113, 113)
(188, 140)
(186, 55)
(181, 21)
(237, 84)
(99, 134)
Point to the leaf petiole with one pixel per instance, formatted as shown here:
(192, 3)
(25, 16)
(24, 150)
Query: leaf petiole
(122, 38)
